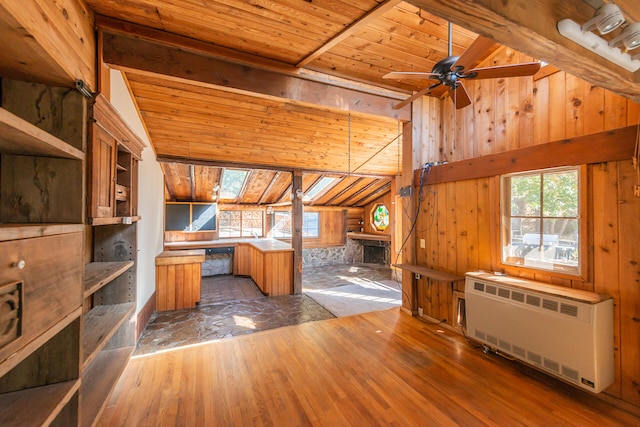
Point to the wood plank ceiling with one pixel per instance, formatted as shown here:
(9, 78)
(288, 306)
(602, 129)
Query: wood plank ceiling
(199, 128)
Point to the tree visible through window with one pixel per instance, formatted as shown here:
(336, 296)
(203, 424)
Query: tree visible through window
(540, 220)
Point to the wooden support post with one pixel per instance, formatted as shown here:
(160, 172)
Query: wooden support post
(408, 254)
(296, 238)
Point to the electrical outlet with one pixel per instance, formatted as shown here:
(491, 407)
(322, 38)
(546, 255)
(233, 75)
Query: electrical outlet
(422, 244)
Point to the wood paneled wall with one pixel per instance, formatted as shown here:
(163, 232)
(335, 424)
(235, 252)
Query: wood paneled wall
(459, 221)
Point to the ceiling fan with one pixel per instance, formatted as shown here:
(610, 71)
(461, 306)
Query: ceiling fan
(451, 70)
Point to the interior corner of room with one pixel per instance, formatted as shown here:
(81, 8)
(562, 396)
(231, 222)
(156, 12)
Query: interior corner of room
(442, 204)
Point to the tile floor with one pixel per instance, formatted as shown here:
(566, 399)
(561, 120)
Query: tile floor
(233, 306)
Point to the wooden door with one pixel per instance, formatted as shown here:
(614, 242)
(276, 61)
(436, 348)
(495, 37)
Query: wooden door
(102, 178)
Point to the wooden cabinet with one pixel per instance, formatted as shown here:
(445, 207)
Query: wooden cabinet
(178, 279)
(41, 245)
(113, 170)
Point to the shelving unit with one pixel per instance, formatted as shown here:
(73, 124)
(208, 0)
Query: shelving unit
(41, 243)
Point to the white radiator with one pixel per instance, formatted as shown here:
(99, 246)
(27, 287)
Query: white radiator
(565, 332)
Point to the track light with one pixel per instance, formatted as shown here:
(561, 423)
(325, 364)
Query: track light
(596, 44)
(629, 37)
(606, 19)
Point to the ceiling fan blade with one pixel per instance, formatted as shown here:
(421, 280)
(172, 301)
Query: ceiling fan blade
(515, 70)
(410, 75)
(415, 96)
(474, 52)
(459, 96)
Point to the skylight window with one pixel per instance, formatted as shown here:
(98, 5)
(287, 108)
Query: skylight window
(318, 188)
(232, 183)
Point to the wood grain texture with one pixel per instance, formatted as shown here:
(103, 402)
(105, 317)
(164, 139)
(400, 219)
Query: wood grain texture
(381, 368)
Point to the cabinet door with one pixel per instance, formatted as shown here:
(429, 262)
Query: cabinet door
(103, 151)
(242, 260)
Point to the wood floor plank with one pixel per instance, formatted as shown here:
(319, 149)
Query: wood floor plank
(383, 368)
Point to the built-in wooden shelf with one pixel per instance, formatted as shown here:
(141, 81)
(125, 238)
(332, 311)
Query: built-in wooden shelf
(115, 220)
(17, 136)
(99, 274)
(28, 349)
(369, 236)
(103, 373)
(99, 326)
(38, 405)
(437, 275)
(27, 231)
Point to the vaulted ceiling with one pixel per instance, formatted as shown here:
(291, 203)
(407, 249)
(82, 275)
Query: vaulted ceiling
(278, 85)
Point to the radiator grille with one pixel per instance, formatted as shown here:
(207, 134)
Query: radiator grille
(549, 304)
(552, 365)
(504, 293)
(569, 310)
(478, 286)
(490, 289)
(570, 373)
(517, 296)
(535, 358)
(533, 300)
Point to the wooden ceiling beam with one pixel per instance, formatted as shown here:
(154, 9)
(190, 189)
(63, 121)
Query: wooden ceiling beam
(348, 31)
(267, 190)
(529, 26)
(130, 53)
(244, 165)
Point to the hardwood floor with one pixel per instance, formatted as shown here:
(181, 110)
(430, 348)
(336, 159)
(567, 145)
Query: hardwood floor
(383, 368)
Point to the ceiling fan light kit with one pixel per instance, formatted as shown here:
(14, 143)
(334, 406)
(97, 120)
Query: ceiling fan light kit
(606, 19)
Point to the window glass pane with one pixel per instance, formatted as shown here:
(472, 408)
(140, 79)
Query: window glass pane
(561, 194)
(381, 218)
(229, 223)
(311, 224)
(251, 224)
(525, 195)
(281, 225)
(316, 189)
(232, 182)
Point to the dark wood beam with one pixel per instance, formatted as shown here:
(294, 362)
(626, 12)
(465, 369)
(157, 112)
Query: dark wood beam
(529, 26)
(129, 53)
(602, 147)
(347, 32)
(267, 190)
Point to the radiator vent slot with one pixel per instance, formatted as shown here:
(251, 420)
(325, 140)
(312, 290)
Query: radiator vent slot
(549, 304)
(478, 286)
(480, 334)
(517, 296)
(490, 289)
(569, 310)
(535, 358)
(504, 293)
(519, 351)
(505, 345)
(533, 300)
(551, 365)
(570, 373)
(492, 340)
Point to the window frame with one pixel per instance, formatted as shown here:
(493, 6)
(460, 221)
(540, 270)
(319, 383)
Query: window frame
(504, 225)
(241, 212)
(273, 228)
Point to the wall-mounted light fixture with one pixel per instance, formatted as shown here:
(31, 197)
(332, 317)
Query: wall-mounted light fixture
(606, 19)
(299, 194)
(269, 210)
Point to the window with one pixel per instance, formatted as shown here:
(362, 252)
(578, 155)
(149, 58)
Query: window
(380, 217)
(240, 224)
(232, 182)
(541, 220)
(282, 225)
